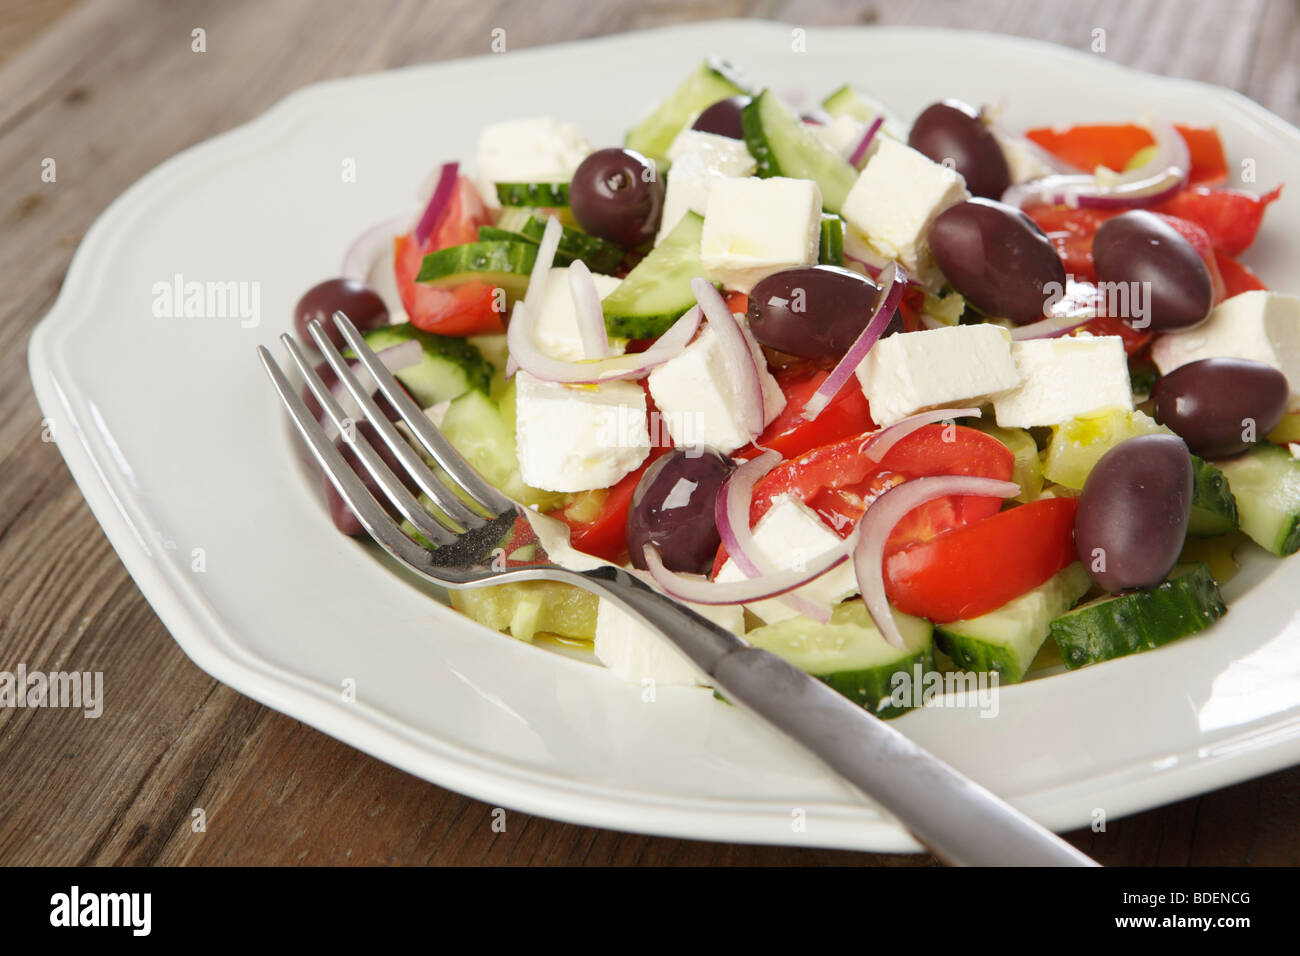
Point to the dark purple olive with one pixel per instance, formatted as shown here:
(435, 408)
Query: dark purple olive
(361, 304)
(1162, 283)
(672, 508)
(998, 258)
(951, 130)
(815, 312)
(617, 194)
(723, 118)
(1134, 511)
(1221, 406)
(340, 513)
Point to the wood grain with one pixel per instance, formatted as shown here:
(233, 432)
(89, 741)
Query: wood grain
(110, 88)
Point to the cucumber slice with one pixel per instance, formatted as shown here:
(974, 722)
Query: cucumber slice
(1007, 640)
(450, 367)
(658, 290)
(1266, 484)
(1128, 623)
(514, 218)
(600, 255)
(497, 234)
(713, 80)
(783, 146)
(850, 654)
(533, 194)
(847, 101)
(528, 608)
(505, 264)
(1214, 509)
(831, 250)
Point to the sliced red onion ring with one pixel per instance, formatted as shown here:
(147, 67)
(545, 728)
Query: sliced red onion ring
(737, 353)
(526, 355)
(586, 305)
(864, 144)
(1051, 327)
(893, 281)
(438, 202)
(871, 268)
(369, 245)
(546, 247)
(1149, 184)
(700, 590)
(879, 520)
(887, 438)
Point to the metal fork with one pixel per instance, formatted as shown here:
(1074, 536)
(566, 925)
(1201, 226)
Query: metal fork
(960, 821)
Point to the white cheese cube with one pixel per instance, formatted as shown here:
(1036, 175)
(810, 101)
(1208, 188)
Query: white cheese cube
(1064, 378)
(578, 437)
(539, 149)
(912, 371)
(636, 653)
(1259, 325)
(556, 329)
(699, 159)
(697, 398)
(842, 134)
(790, 536)
(896, 199)
(755, 227)
(1023, 160)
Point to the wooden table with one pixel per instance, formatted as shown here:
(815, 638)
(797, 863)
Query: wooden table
(109, 88)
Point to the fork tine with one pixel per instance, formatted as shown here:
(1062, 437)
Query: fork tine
(429, 483)
(372, 516)
(437, 446)
(397, 493)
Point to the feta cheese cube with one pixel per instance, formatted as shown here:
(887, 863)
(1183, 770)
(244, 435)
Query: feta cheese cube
(755, 227)
(1064, 378)
(697, 399)
(636, 653)
(912, 371)
(699, 159)
(539, 149)
(896, 199)
(578, 437)
(1259, 325)
(1023, 161)
(556, 327)
(790, 535)
(843, 133)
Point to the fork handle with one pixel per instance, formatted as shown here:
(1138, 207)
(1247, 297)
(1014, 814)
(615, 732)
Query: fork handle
(958, 820)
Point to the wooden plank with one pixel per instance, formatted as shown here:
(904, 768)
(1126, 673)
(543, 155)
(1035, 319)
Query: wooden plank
(110, 89)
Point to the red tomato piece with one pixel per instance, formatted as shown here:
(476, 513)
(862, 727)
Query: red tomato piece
(846, 414)
(975, 569)
(1114, 145)
(1237, 278)
(606, 535)
(1231, 217)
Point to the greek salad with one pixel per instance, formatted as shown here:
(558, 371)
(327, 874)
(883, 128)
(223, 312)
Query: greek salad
(880, 397)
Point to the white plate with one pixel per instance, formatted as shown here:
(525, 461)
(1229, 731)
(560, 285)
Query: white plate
(175, 437)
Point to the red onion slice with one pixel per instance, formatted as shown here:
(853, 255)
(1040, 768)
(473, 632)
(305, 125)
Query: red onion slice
(1051, 327)
(887, 438)
(366, 248)
(893, 281)
(737, 354)
(546, 248)
(871, 268)
(864, 144)
(438, 202)
(700, 590)
(879, 520)
(586, 306)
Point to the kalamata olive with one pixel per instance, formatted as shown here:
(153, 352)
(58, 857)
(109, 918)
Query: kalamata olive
(953, 131)
(672, 508)
(814, 312)
(340, 513)
(1134, 511)
(723, 118)
(998, 258)
(1158, 271)
(361, 304)
(617, 194)
(1221, 406)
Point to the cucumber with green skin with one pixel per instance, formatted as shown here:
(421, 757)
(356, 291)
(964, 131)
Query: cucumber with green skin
(496, 262)
(850, 654)
(1110, 627)
(449, 367)
(600, 255)
(830, 252)
(549, 195)
(658, 290)
(782, 145)
(1214, 507)
(713, 80)
(1007, 640)
(1266, 484)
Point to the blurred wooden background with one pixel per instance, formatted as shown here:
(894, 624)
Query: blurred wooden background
(110, 88)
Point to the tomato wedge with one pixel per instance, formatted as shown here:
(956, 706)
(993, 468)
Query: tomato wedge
(1231, 217)
(977, 568)
(1237, 278)
(1114, 146)
(605, 535)
(847, 414)
(839, 482)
